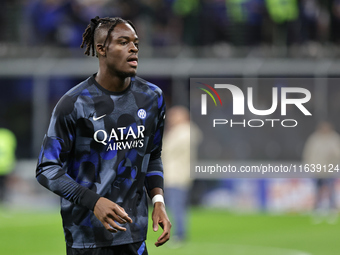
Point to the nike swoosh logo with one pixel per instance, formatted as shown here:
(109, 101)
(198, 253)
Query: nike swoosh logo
(98, 118)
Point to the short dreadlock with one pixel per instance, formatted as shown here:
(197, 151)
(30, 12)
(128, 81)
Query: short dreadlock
(106, 23)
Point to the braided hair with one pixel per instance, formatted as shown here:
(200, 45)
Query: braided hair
(100, 23)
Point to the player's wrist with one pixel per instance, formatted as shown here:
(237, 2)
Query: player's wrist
(158, 200)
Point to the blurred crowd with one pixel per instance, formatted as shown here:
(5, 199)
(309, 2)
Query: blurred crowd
(176, 22)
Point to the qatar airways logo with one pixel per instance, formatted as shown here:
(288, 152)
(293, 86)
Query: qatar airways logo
(239, 105)
(121, 138)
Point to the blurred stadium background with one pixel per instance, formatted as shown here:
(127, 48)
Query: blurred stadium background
(40, 60)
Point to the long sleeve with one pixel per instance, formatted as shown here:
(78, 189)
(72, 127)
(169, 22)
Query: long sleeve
(56, 150)
(154, 176)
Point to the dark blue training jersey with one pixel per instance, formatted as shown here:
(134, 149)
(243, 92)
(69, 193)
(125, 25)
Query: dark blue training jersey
(103, 143)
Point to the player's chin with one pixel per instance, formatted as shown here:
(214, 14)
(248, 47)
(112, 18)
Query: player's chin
(128, 73)
(133, 72)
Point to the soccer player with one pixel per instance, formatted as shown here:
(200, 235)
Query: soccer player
(101, 153)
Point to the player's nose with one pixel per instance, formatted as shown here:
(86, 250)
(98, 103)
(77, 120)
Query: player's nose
(133, 48)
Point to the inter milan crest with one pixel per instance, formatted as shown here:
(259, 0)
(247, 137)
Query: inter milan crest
(141, 113)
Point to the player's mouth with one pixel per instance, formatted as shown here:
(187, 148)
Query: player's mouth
(133, 60)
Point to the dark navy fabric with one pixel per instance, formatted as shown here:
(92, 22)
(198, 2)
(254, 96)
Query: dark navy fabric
(138, 248)
(101, 143)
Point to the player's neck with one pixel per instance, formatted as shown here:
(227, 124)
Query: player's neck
(111, 82)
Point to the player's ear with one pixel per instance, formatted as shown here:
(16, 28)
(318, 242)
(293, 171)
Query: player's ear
(100, 50)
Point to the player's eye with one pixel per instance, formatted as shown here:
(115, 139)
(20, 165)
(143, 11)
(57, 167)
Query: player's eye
(137, 45)
(123, 43)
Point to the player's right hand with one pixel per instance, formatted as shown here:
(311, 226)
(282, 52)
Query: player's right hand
(108, 212)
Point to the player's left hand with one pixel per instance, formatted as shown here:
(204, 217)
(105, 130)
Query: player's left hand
(159, 217)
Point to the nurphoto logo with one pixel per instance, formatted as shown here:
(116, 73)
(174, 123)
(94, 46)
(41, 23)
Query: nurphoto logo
(295, 96)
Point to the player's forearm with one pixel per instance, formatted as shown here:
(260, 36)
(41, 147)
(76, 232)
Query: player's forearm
(156, 191)
(154, 175)
(56, 180)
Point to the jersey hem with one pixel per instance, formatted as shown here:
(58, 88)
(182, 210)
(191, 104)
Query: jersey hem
(100, 245)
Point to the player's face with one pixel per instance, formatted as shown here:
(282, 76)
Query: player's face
(122, 52)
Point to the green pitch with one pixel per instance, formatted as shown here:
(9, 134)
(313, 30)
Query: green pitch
(211, 232)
